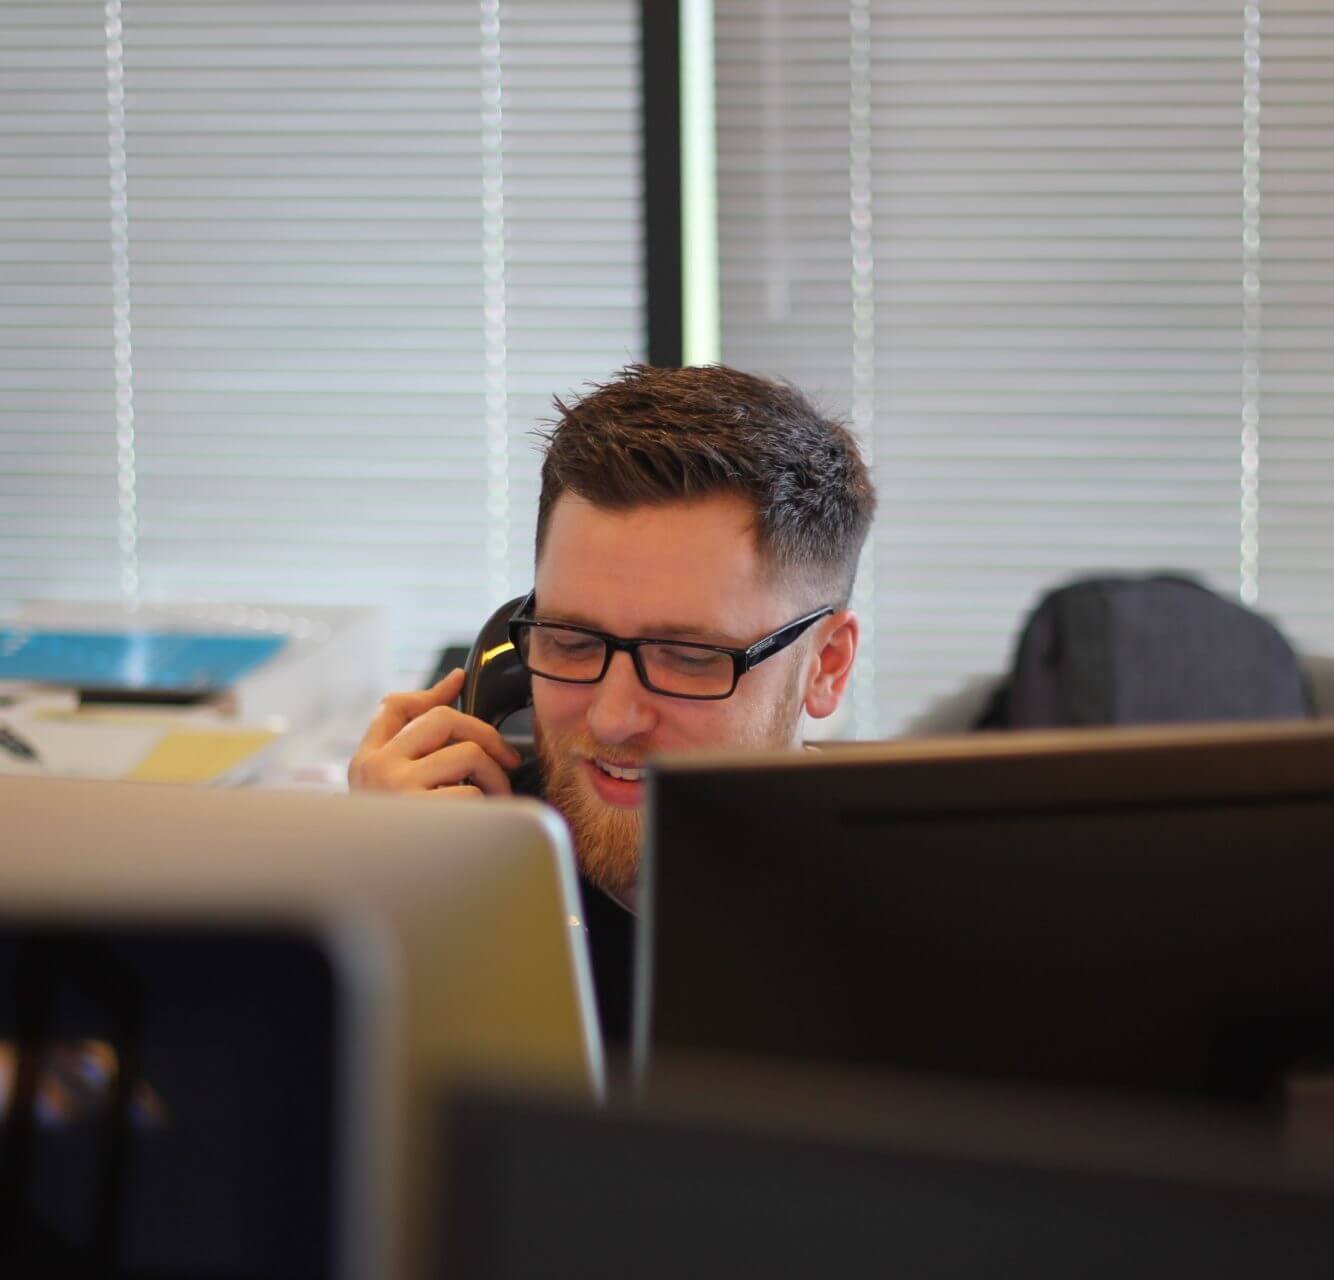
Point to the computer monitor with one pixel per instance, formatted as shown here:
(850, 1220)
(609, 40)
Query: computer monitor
(1147, 910)
(228, 1019)
(784, 1174)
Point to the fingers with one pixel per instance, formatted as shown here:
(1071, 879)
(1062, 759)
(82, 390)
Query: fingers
(417, 743)
(435, 728)
(461, 762)
(399, 709)
(461, 765)
(461, 792)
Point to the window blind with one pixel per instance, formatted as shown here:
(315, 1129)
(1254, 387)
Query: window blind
(360, 248)
(1293, 273)
(58, 465)
(1011, 242)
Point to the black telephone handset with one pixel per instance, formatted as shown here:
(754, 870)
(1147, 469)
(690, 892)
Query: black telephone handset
(495, 685)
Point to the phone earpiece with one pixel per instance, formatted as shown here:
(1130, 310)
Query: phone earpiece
(495, 683)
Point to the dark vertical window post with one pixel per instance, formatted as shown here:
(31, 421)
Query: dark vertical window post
(660, 43)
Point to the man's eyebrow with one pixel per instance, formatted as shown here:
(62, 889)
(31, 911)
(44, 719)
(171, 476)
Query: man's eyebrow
(655, 631)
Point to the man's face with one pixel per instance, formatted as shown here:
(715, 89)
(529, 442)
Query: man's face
(685, 571)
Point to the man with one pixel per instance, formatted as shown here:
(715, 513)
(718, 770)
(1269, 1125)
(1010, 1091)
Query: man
(697, 536)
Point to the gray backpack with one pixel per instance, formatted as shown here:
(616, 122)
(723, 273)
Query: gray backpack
(1146, 651)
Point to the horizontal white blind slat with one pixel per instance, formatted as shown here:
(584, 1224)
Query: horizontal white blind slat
(57, 458)
(1296, 388)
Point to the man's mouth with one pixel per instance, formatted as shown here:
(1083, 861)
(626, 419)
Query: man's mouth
(624, 772)
(619, 785)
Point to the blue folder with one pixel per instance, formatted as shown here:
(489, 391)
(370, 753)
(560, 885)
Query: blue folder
(166, 662)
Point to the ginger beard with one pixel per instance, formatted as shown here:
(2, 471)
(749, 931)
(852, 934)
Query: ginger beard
(607, 838)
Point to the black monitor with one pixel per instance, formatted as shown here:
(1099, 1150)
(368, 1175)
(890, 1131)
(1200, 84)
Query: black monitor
(783, 1174)
(1146, 910)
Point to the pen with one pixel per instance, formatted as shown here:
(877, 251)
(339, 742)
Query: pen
(16, 746)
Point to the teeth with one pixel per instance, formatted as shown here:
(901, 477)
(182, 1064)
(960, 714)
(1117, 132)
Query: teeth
(621, 771)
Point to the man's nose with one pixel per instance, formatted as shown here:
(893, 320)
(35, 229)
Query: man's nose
(621, 707)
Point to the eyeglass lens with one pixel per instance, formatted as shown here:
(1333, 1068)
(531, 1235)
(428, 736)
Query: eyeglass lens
(684, 669)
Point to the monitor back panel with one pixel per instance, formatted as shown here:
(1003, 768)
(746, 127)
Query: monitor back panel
(1129, 911)
(543, 1190)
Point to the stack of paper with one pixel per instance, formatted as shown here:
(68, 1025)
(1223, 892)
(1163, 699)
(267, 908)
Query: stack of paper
(147, 746)
(217, 757)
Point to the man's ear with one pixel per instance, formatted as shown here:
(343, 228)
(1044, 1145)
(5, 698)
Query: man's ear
(834, 648)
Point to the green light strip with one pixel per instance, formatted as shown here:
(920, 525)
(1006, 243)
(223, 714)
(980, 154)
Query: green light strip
(701, 337)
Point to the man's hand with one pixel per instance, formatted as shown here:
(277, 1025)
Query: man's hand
(418, 743)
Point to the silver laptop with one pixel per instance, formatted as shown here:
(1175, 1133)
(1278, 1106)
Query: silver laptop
(228, 1020)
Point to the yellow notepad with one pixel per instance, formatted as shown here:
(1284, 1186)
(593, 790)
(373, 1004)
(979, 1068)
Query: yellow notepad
(202, 755)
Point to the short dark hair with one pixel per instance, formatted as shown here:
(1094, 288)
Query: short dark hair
(652, 435)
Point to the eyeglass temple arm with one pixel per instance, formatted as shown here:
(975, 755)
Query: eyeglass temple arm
(780, 640)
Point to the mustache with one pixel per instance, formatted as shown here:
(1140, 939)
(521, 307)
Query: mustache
(582, 747)
(621, 762)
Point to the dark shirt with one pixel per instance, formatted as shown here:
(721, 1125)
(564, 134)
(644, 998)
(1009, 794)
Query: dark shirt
(610, 930)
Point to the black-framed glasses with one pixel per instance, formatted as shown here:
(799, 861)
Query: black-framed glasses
(678, 668)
